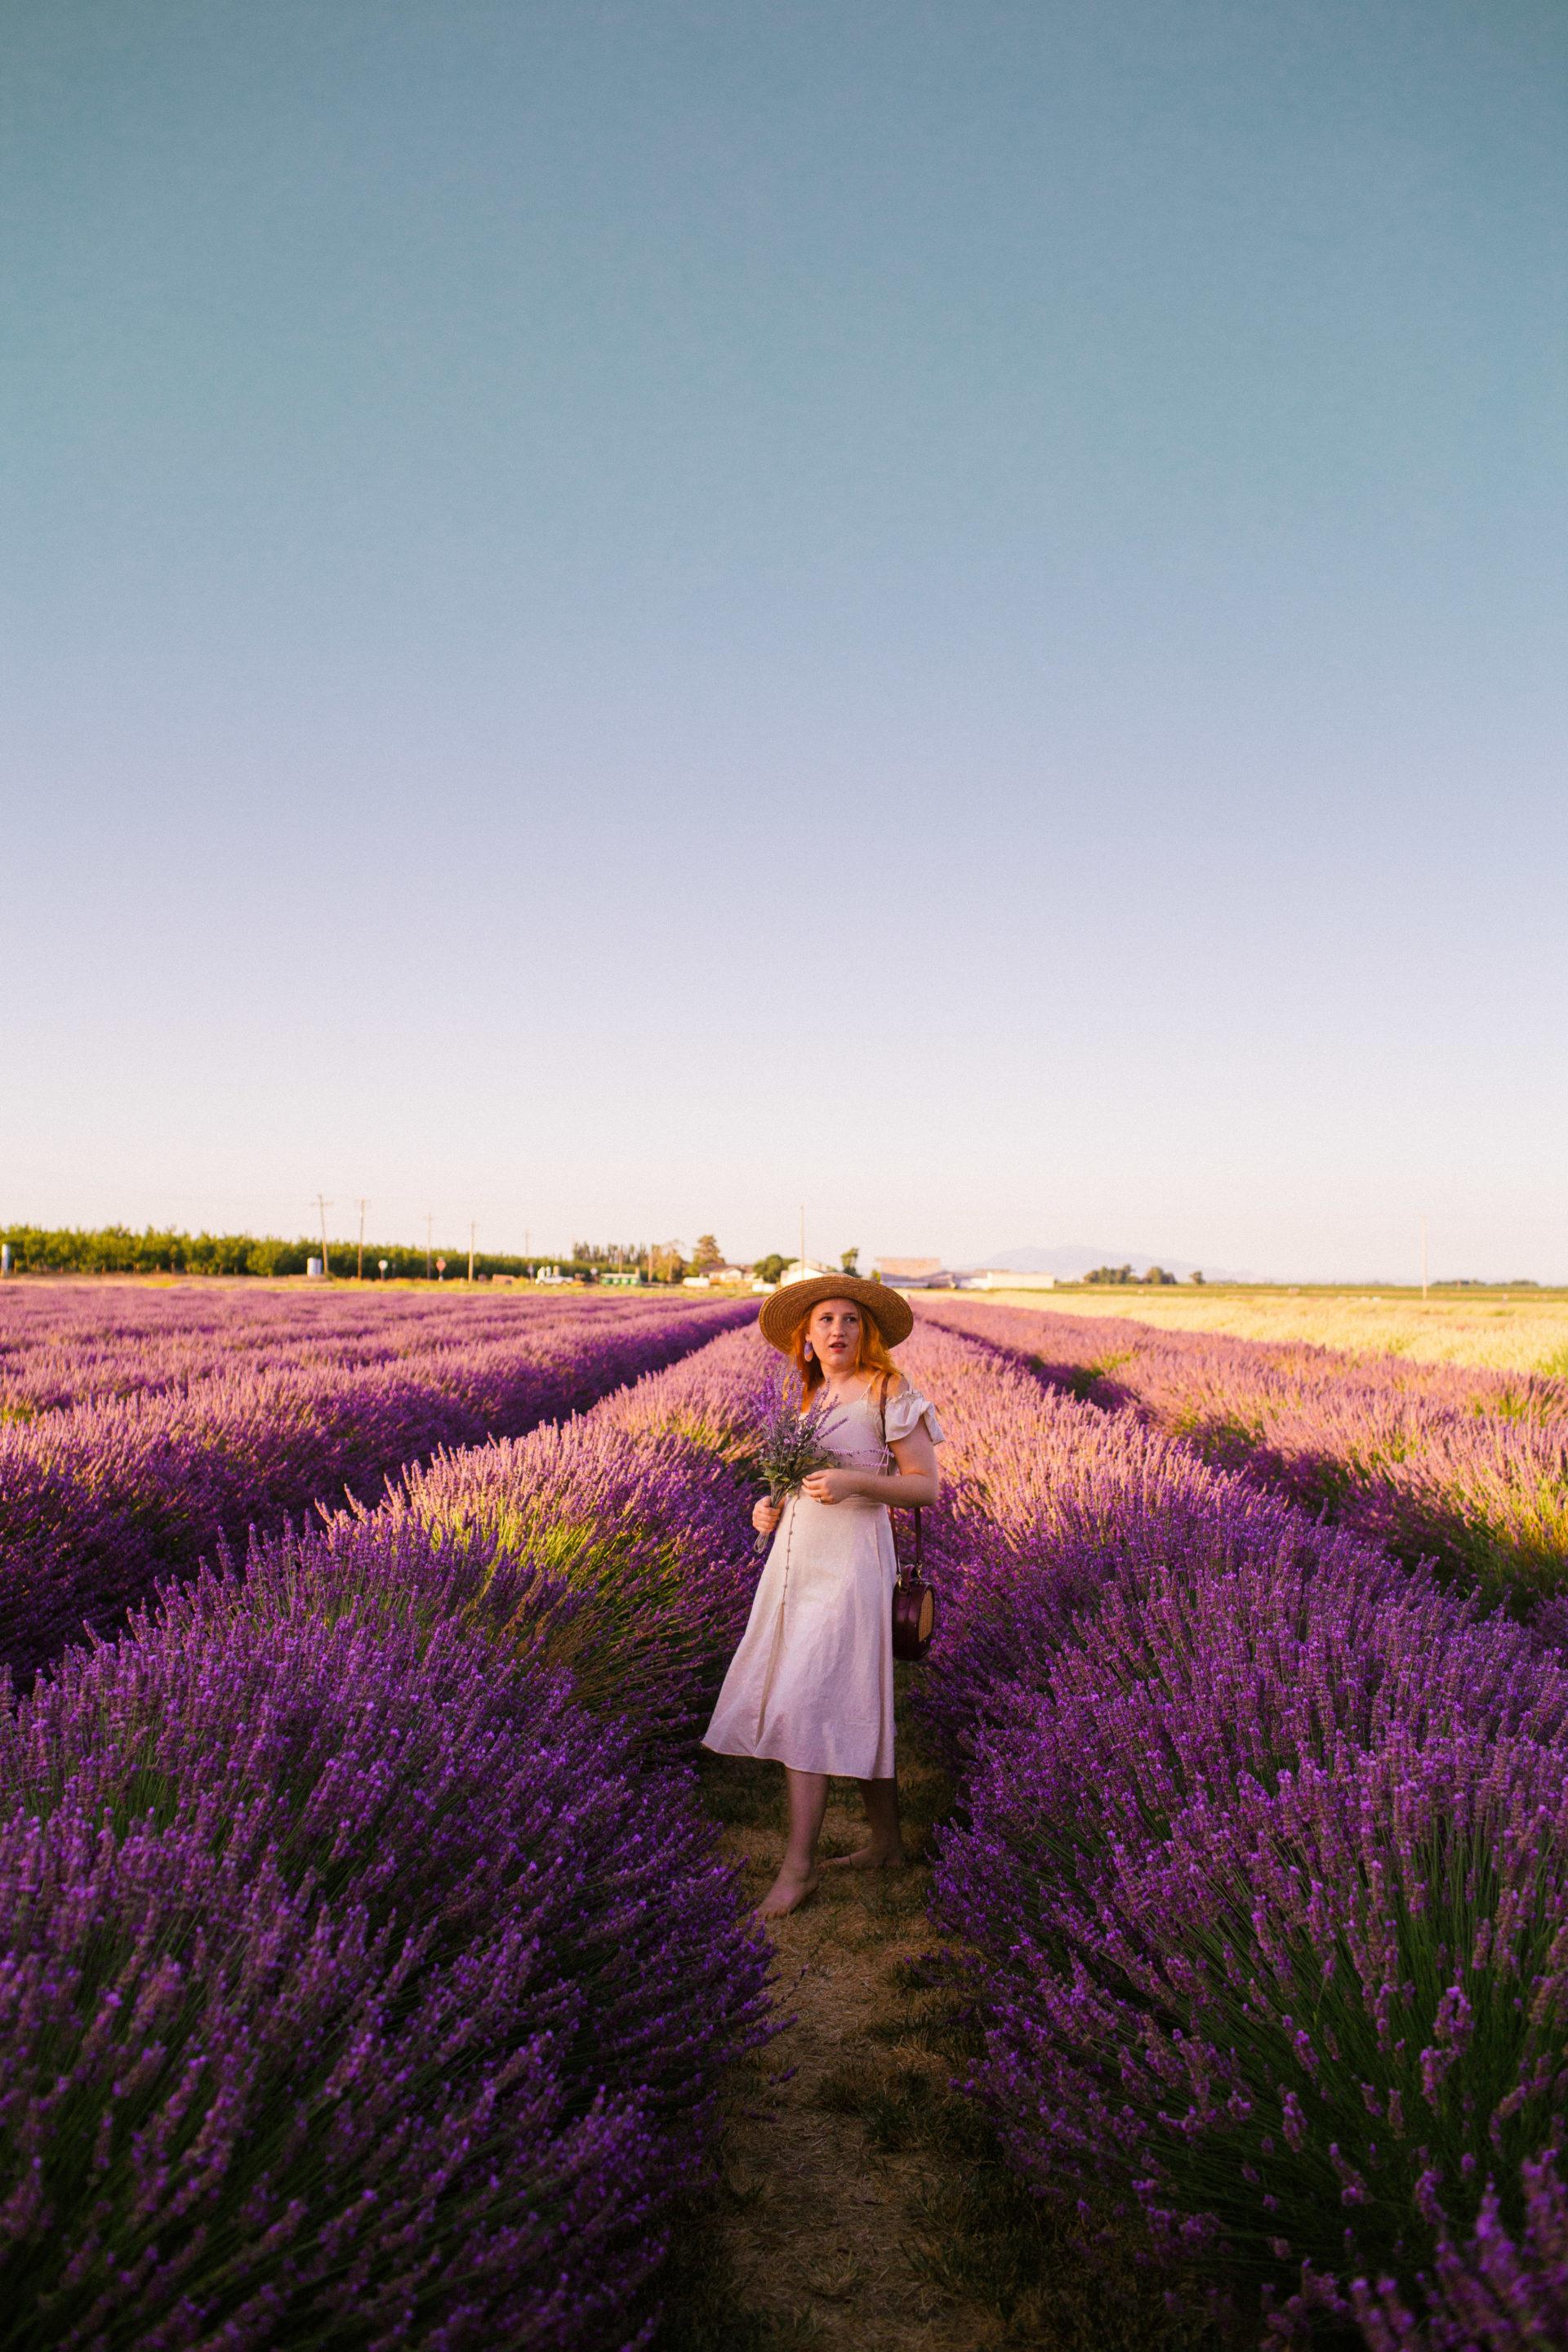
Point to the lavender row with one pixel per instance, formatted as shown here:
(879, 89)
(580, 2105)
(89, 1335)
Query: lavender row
(98, 1502)
(1466, 1468)
(372, 1969)
(69, 1343)
(1259, 1880)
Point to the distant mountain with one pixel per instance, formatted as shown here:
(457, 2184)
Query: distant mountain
(1072, 1261)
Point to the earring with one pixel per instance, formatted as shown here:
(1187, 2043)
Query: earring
(810, 1353)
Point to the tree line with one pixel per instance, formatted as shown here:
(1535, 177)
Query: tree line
(116, 1249)
(1124, 1274)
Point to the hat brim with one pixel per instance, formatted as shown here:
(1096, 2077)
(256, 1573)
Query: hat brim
(784, 1311)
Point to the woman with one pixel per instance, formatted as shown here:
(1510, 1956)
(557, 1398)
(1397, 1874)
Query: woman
(812, 1683)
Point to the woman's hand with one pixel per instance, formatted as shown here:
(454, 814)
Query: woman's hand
(765, 1516)
(832, 1485)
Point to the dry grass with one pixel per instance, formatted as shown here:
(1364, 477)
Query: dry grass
(1515, 1333)
(864, 2203)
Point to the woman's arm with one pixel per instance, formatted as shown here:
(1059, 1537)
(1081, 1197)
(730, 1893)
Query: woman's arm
(915, 1481)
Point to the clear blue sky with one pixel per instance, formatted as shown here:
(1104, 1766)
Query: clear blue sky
(614, 616)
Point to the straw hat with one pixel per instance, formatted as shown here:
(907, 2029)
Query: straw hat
(784, 1311)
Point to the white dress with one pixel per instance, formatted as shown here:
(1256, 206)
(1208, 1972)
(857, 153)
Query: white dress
(812, 1683)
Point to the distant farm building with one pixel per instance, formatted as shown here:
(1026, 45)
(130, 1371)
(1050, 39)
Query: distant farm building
(915, 1273)
(806, 1271)
(997, 1278)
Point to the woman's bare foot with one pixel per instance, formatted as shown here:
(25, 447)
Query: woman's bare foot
(870, 1857)
(788, 1893)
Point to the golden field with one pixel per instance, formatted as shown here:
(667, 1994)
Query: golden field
(1509, 1331)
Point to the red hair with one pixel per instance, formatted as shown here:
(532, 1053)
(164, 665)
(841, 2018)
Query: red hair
(873, 1356)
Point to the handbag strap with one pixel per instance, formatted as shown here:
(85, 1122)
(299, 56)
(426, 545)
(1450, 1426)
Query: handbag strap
(920, 1537)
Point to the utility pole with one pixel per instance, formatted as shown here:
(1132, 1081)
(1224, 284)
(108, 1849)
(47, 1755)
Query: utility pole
(359, 1273)
(803, 1240)
(324, 1205)
(429, 1220)
(471, 1224)
(1423, 1257)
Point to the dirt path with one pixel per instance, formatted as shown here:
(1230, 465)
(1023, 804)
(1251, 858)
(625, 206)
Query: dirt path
(818, 2231)
(865, 2206)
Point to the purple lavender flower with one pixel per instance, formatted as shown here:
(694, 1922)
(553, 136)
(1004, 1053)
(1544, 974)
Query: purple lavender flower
(100, 1499)
(359, 1980)
(370, 1968)
(1464, 1466)
(1259, 1873)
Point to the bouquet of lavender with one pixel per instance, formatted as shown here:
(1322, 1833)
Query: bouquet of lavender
(789, 1449)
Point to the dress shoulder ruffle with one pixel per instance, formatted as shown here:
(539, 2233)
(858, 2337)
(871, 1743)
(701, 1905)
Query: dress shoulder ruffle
(907, 1411)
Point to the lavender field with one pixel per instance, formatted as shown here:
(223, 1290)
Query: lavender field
(371, 1965)
(374, 1973)
(64, 1343)
(1261, 1879)
(140, 1429)
(1465, 1467)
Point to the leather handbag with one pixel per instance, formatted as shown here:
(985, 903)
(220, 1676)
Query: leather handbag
(914, 1605)
(914, 1602)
